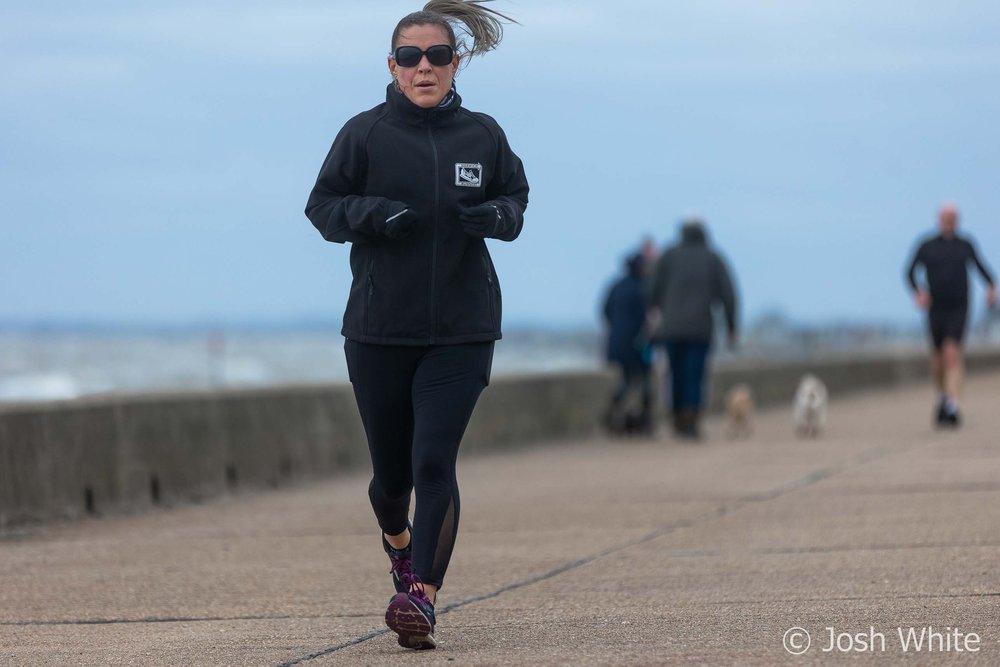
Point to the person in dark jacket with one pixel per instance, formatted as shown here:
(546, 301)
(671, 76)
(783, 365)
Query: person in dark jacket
(628, 348)
(416, 185)
(945, 258)
(689, 281)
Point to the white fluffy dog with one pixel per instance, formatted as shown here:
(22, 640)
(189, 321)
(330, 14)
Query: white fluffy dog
(810, 406)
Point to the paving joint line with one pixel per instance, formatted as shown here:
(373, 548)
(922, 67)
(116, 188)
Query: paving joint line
(177, 619)
(780, 551)
(818, 475)
(857, 598)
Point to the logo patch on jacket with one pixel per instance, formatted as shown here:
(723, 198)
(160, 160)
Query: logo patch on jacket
(468, 175)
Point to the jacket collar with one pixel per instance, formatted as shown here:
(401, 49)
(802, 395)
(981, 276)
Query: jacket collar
(407, 111)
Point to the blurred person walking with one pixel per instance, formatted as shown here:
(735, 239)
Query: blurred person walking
(629, 350)
(649, 252)
(416, 185)
(689, 281)
(945, 258)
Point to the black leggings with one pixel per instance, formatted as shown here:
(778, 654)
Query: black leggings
(415, 403)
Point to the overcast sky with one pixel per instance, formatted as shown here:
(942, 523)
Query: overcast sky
(155, 159)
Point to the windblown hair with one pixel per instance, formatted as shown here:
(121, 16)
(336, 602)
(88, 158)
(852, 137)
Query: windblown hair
(482, 24)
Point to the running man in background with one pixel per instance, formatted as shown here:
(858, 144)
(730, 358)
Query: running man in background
(945, 258)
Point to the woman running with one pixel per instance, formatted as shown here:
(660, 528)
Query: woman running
(416, 185)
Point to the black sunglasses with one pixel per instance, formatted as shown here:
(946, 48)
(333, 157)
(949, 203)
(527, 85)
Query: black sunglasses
(437, 55)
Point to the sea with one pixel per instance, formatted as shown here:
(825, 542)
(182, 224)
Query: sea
(67, 362)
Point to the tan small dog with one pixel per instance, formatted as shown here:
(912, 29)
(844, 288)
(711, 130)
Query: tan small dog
(739, 411)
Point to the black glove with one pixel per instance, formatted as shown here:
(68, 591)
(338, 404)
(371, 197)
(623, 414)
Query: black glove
(482, 221)
(399, 223)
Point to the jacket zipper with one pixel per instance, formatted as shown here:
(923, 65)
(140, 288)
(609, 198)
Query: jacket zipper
(434, 226)
(489, 290)
(371, 291)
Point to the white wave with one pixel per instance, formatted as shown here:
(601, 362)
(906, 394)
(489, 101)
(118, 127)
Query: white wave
(44, 387)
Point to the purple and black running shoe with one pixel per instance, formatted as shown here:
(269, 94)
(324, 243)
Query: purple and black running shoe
(411, 616)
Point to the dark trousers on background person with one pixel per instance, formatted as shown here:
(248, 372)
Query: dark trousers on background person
(633, 375)
(687, 360)
(622, 420)
(415, 403)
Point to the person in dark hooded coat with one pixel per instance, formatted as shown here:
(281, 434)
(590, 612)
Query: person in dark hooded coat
(628, 348)
(689, 281)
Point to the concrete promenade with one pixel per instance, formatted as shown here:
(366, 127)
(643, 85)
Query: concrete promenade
(588, 552)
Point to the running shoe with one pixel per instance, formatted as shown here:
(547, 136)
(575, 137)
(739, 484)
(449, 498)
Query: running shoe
(948, 415)
(941, 419)
(401, 559)
(411, 617)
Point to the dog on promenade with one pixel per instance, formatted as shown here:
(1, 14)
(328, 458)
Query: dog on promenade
(739, 411)
(809, 408)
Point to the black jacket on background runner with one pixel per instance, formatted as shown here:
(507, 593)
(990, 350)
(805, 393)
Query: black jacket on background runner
(946, 263)
(438, 285)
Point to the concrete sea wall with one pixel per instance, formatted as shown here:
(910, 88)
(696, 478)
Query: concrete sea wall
(125, 453)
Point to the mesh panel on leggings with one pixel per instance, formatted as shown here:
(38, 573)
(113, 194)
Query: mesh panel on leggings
(446, 539)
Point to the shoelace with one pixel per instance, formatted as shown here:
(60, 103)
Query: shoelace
(415, 587)
(401, 565)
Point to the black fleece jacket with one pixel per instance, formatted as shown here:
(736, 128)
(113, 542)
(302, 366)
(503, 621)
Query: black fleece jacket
(438, 285)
